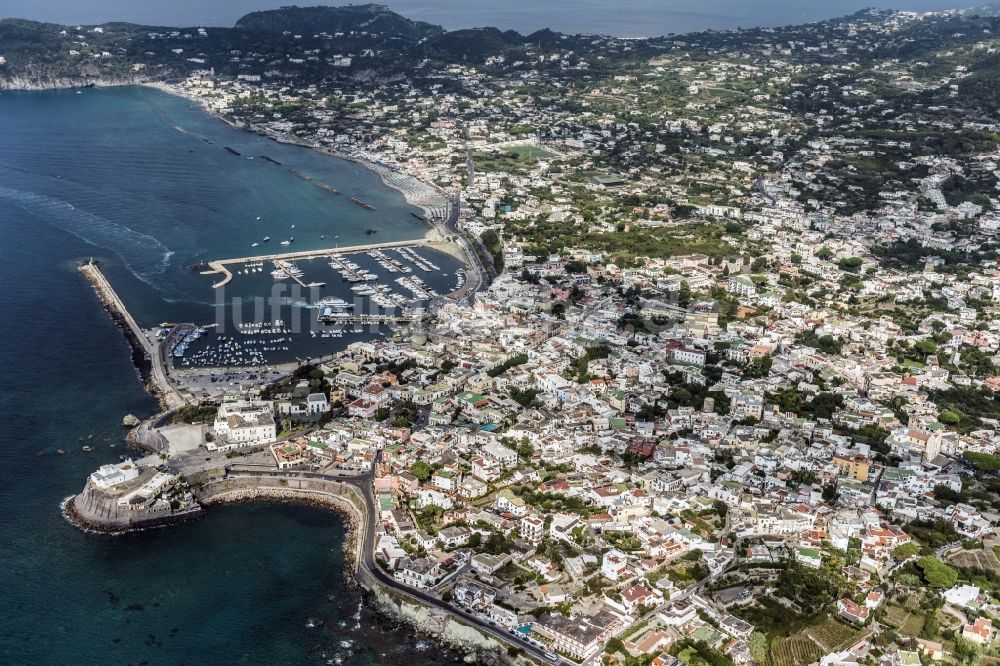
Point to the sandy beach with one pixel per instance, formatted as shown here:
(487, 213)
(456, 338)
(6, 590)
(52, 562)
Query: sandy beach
(430, 195)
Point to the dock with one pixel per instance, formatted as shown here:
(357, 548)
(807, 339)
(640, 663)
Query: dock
(342, 317)
(219, 266)
(280, 263)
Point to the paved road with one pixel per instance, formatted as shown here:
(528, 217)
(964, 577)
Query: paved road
(371, 568)
(477, 276)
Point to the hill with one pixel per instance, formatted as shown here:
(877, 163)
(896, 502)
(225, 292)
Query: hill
(332, 20)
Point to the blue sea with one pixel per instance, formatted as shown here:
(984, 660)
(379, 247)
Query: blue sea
(628, 18)
(144, 179)
(106, 173)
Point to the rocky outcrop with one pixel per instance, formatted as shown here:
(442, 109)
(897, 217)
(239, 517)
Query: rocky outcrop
(480, 648)
(23, 82)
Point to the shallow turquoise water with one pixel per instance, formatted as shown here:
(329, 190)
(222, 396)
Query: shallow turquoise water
(234, 588)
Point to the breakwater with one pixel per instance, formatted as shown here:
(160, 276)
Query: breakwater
(141, 358)
(147, 354)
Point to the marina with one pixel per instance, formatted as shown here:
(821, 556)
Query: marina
(366, 291)
(221, 266)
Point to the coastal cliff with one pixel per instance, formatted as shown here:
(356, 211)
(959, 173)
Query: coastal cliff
(448, 628)
(42, 82)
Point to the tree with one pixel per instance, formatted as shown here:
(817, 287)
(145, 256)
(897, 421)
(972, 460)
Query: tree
(615, 645)
(525, 450)
(849, 264)
(948, 417)
(937, 573)
(984, 462)
(421, 470)
(905, 550)
(684, 294)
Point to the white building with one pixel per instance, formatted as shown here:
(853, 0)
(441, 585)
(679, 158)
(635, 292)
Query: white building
(109, 476)
(244, 423)
(614, 564)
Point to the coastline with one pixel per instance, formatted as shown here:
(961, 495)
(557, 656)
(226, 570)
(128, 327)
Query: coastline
(357, 537)
(383, 171)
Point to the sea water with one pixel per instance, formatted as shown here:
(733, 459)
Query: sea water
(106, 173)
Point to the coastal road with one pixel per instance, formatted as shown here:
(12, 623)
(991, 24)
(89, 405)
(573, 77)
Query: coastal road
(368, 567)
(376, 572)
(371, 568)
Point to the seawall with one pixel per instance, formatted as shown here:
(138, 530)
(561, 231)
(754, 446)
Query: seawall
(337, 496)
(146, 354)
(140, 356)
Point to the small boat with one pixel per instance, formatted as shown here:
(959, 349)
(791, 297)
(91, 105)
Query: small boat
(321, 236)
(258, 218)
(267, 238)
(293, 226)
(287, 242)
(86, 449)
(61, 451)
(254, 244)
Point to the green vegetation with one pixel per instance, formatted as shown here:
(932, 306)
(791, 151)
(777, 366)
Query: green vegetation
(824, 343)
(194, 414)
(936, 573)
(520, 359)
(970, 405)
(493, 245)
(421, 470)
(984, 462)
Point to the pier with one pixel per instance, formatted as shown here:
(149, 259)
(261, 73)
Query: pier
(154, 350)
(219, 266)
(342, 317)
(282, 266)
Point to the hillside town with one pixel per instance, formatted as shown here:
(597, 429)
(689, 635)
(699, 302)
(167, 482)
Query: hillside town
(733, 395)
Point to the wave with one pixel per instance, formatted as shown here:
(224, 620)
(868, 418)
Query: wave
(143, 255)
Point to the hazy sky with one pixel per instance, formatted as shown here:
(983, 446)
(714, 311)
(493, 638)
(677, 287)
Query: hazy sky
(620, 17)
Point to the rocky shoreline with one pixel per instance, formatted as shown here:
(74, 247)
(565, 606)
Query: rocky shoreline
(22, 84)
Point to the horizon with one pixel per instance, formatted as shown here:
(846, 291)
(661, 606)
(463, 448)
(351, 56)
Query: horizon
(630, 18)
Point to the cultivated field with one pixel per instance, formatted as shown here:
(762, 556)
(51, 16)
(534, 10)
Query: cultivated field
(984, 559)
